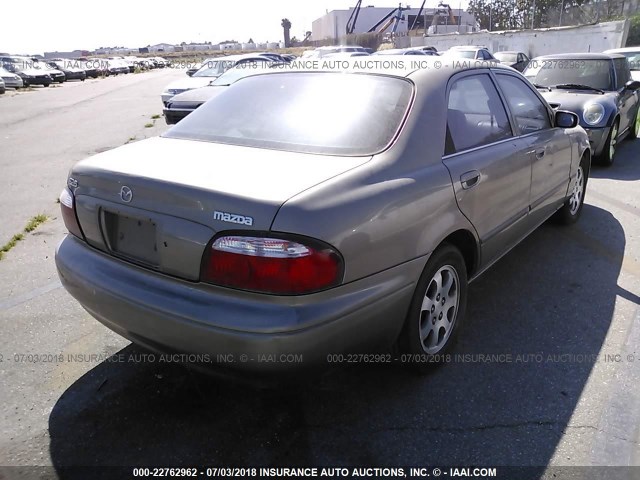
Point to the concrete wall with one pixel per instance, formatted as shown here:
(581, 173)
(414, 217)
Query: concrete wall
(588, 38)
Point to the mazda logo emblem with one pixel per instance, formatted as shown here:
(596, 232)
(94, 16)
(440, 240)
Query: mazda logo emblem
(126, 194)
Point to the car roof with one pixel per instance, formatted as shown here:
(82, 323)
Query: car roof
(579, 56)
(468, 47)
(237, 57)
(391, 51)
(338, 47)
(391, 65)
(625, 49)
(399, 66)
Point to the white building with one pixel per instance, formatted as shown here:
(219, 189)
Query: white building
(333, 25)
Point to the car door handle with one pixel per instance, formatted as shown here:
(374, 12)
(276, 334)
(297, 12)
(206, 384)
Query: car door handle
(470, 179)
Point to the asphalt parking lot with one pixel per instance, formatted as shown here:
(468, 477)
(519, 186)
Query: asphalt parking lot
(546, 375)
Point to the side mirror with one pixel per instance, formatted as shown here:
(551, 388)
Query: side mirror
(632, 85)
(189, 73)
(566, 119)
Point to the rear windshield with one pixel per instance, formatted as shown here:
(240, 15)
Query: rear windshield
(328, 113)
(634, 59)
(465, 53)
(214, 68)
(506, 57)
(243, 70)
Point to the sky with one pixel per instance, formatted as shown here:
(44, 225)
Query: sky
(66, 25)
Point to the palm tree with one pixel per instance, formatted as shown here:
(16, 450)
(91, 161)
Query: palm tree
(286, 25)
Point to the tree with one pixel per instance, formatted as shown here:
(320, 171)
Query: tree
(634, 31)
(286, 26)
(520, 14)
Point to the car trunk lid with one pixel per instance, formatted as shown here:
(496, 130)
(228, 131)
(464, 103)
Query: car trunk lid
(159, 202)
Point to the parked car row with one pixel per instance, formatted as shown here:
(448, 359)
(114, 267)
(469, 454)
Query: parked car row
(20, 71)
(212, 68)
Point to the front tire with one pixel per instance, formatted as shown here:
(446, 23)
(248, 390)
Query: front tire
(609, 150)
(437, 310)
(572, 208)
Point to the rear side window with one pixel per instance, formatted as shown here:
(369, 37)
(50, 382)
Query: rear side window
(622, 72)
(634, 60)
(530, 113)
(476, 115)
(317, 112)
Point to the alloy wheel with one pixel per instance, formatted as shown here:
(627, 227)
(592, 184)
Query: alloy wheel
(578, 191)
(439, 309)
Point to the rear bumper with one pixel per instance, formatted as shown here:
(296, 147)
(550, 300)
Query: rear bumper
(238, 330)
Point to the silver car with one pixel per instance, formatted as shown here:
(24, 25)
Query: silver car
(11, 80)
(301, 215)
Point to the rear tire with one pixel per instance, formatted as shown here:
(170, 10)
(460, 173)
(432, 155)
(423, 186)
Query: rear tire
(436, 312)
(572, 208)
(608, 152)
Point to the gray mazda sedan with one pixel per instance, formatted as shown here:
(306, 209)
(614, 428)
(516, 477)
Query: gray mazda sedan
(304, 215)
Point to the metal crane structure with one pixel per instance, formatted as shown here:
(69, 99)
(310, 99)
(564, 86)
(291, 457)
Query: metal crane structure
(353, 19)
(444, 9)
(394, 15)
(415, 21)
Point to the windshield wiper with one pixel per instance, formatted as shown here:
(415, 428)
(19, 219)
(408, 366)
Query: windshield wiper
(541, 86)
(578, 86)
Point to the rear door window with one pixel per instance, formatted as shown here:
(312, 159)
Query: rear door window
(476, 115)
(622, 72)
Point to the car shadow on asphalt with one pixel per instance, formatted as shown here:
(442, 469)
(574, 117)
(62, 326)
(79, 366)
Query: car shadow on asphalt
(536, 322)
(626, 166)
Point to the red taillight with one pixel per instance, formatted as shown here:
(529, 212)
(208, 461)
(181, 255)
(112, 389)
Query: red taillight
(69, 213)
(271, 265)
